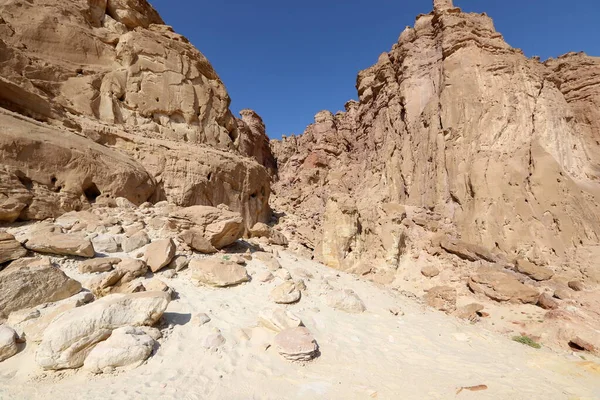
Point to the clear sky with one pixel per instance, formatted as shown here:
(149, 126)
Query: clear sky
(288, 60)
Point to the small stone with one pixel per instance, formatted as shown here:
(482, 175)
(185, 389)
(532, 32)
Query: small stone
(469, 312)
(105, 244)
(214, 340)
(197, 241)
(217, 272)
(168, 274)
(442, 298)
(27, 314)
(430, 271)
(10, 248)
(156, 285)
(8, 342)
(286, 293)
(547, 302)
(533, 271)
(283, 274)
(136, 241)
(278, 319)
(296, 344)
(300, 284)
(576, 286)
(264, 276)
(94, 265)
(562, 294)
(346, 300)
(201, 319)
(131, 269)
(159, 254)
(179, 263)
(124, 203)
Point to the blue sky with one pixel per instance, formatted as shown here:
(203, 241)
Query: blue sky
(288, 60)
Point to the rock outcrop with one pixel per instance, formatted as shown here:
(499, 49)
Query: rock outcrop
(474, 140)
(101, 99)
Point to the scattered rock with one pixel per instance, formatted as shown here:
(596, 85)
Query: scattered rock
(577, 286)
(442, 298)
(105, 244)
(264, 276)
(201, 319)
(220, 226)
(470, 311)
(278, 319)
(10, 249)
(159, 254)
(179, 263)
(135, 241)
(296, 344)
(582, 344)
(8, 342)
(131, 269)
(218, 272)
(283, 274)
(501, 286)
(66, 244)
(156, 285)
(196, 240)
(98, 265)
(20, 316)
(346, 300)
(28, 282)
(70, 337)
(126, 347)
(430, 271)
(214, 340)
(467, 251)
(546, 302)
(533, 271)
(286, 293)
(263, 230)
(562, 294)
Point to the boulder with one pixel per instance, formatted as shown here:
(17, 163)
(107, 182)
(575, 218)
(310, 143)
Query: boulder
(8, 342)
(296, 344)
(10, 249)
(217, 272)
(131, 269)
(196, 240)
(126, 347)
(501, 286)
(345, 300)
(430, 271)
(105, 244)
(442, 298)
(102, 264)
(535, 272)
(29, 282)
(179, 263)
(278, 319)
(71, 336)
(577, 286)
(286, 293)
(219, 226)
(65, 244)
(470, 311)
(546, 302)
(467, 251)
(159, 254)
(135, 241)
(261, 229)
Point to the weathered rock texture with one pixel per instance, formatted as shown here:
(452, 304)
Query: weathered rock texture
(474, 140)
(100, 99)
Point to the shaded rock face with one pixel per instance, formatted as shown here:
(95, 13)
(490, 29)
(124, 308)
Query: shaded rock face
(492, 148)
(111, 72)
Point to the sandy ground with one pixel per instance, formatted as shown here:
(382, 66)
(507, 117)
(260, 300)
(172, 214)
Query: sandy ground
(422, 354)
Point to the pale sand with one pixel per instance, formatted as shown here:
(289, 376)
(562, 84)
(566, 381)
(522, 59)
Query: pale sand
(422, 354)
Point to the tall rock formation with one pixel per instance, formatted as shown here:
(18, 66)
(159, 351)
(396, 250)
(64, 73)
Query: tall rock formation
(457, 135)
(109, 74)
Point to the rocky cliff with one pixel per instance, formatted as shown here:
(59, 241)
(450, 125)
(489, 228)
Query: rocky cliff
(456, 136)
(117, 104)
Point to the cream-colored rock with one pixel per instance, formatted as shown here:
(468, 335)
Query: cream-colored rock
(340, 232)
(261, 229)
(105, 244)
(131, 269)
(70, 337)
(62, 244)
(278, 319)
(501, 286)
(296, 344)
(159, 254)
(219, 226)
(179, 263)
(286, 293)
(345, 300)
(126, 347)
(8, 342)
(135, 241)
(196, 240)
(102, 264)
(535, 272)
(216, 272)
(10, 249)
(442, 298)
(29, 282)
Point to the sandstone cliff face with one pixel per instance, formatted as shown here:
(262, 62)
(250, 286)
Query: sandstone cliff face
(112, 71)
(476, 141)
